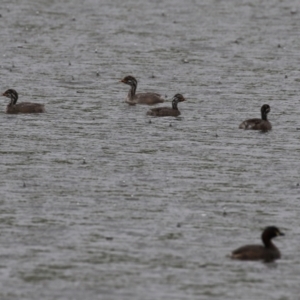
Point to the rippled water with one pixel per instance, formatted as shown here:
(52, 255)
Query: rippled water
(99, 203)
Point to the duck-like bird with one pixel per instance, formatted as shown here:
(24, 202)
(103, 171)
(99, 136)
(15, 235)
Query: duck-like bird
(140, 98)
(167, 111)
(23, 107)
(258, 124)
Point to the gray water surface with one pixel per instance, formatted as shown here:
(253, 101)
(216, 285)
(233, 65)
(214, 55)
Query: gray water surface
(99, 203)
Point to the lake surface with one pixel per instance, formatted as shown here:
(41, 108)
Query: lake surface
(96, 201)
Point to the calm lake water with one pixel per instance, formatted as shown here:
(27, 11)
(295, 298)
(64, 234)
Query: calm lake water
(99, 203)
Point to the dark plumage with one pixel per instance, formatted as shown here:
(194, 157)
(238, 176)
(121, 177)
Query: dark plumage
(258, 124)
(267, 252)
(24, 107)
(140, 98)
(167, 111)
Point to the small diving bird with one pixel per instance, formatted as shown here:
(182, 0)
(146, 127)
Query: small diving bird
(168, 111)
(23, 107)
(258, 124)
(140, 98)
(266, 252)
